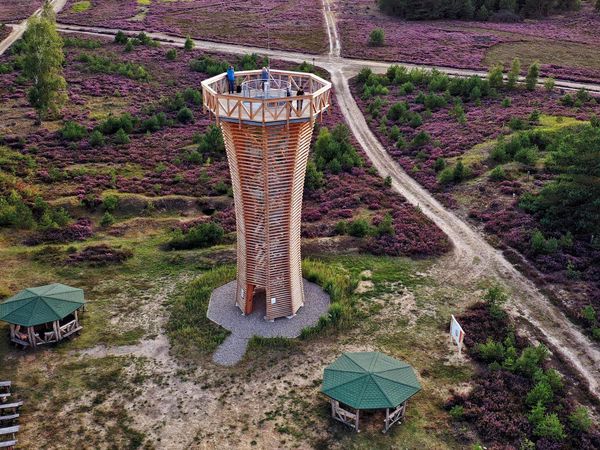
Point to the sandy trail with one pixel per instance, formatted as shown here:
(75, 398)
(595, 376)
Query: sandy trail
(472, 256)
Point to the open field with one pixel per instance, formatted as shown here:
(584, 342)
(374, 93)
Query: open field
(262, 24)
(565, 45)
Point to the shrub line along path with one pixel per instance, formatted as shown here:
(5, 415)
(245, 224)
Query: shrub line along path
(472, 257)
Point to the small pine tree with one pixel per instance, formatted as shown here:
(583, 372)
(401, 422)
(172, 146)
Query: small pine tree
(549, 84)
(496, 77)
(532, 76)
(513, 75)
(377, 37)
(121, 137)
(171, 54)
(120, 37)
(189, 44)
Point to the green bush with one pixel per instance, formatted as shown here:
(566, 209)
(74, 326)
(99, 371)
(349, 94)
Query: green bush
(15, 213)
(72, 131)
(189, 44)
(516, 124)
(541, 245)
(422, 138)
(210, 142)
(491, 351)
(192, 96)
(333, 150)
(386, 226)
(96, 139)
(377, 37)
(580, 419)
(185, 115)
(121, 38)
(440, 164)
(506, 102)
(532, 76)
(496, 77)
(513, 75)
(531, 360)
(457, 412)
(112, 124)
(171, 54)
(201, 236)
(209, 65)
(550, 427)
(549, 84)
(107, 219)
(498, 174)
(540, 393)
(121, 137)
(110, 202)
(527, 156)
(359, 228)
(314, 178)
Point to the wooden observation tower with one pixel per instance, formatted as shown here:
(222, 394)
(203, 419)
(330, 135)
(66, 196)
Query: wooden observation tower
(267, 130)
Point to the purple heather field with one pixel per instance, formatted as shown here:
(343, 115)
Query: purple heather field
(282, 24)
(566, 45)
(155, 164)
(17, 10)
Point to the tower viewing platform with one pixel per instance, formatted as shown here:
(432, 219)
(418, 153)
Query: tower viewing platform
(267, 129)
(272, 102)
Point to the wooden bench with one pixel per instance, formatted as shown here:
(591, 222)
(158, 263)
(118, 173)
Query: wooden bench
(14, 405)
(5, 384)
(12, 431)
(9, 417)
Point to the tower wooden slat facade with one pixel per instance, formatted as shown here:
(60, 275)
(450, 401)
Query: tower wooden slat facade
(267, 133)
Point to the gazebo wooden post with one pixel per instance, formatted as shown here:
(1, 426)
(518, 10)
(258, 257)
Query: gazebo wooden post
(31, 335)
(356, 421)
(56, 327)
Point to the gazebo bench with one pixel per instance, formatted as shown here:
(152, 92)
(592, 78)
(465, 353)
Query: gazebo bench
(14, 405)
(4, 396)
(9, 417)
(9, 431)
(5, 384)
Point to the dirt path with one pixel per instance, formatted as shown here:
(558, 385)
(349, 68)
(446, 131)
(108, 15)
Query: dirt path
(472, 257)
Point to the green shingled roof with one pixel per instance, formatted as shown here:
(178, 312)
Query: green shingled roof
(34, 306)
(369, 380)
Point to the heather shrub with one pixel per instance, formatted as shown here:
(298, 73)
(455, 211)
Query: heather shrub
(72, 131)
(200, 236)
(377, 37)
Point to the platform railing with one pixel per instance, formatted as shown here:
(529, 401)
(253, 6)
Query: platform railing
(280, 104)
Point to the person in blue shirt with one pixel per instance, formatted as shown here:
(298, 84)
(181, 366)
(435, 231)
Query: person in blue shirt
(264, 76)
(231, 79)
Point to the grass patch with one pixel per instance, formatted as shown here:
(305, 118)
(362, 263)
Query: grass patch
(190, 331)
(82, 6)
(144, 2)
(564, 54)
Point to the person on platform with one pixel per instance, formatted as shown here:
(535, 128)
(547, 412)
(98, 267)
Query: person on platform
(231, 79)
(299, 102)
(264, 76)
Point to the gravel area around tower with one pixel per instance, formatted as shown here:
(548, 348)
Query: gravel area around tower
(223, 311)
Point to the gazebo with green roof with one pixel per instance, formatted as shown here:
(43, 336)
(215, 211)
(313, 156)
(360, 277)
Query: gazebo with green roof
(43, 315)
(367, 381)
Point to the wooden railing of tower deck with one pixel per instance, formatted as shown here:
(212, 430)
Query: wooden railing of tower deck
(266, 110)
